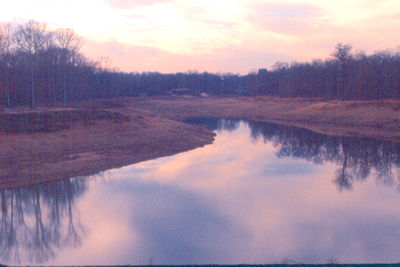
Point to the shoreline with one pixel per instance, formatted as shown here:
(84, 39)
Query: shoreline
(153, 128)
(378, 119)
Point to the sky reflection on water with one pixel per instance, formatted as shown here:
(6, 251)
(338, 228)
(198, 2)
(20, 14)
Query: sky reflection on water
(259, 194)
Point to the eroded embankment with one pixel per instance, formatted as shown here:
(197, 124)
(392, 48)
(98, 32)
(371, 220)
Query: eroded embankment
(48, 145)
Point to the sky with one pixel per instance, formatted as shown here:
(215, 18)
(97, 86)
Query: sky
(220, 36)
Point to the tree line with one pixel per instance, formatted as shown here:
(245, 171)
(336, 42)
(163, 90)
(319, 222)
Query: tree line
(345, 75)
(39, 65)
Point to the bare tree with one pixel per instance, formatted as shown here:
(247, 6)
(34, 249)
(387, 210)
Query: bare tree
(6, 36)
(342, 52)
(69, 44)
(31, 38)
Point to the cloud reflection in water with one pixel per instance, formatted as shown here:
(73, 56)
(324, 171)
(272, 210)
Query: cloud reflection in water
(262, 193)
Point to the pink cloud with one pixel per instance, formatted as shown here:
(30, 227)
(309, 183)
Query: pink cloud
(131, 58)
(284, 18)
(128, 4)
(276, 32)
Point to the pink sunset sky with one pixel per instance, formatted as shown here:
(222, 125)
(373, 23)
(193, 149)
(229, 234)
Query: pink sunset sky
(235, 36)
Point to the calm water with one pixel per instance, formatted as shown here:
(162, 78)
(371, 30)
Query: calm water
(262, 193)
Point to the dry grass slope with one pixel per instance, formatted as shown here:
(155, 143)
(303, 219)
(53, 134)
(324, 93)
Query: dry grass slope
(45, 145)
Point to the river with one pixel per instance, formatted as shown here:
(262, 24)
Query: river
(261, 193)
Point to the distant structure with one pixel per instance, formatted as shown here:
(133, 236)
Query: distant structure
(262, 71)
(180, 91)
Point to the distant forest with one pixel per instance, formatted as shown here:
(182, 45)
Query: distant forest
(43, 66)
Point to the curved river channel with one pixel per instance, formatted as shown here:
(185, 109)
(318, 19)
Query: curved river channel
(261, 193)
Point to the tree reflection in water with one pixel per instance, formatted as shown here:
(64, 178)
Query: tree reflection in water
(37, 220)
(358, 157)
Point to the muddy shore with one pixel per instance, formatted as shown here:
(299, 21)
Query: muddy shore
(115, 133)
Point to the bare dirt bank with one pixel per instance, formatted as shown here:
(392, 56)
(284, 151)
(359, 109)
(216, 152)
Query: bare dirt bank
(110, 134)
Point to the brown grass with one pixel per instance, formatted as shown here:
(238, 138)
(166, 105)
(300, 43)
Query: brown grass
(91, 137)
(379, 119)
(51, 121)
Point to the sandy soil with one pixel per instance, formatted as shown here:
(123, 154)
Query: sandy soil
(154, 128)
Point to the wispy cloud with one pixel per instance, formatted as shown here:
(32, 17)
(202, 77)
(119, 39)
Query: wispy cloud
(285, 18)
(129, 4)
(233, 59)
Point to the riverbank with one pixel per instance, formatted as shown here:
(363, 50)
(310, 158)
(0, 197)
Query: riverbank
(378, 119)
(85, 147)
(90, 137)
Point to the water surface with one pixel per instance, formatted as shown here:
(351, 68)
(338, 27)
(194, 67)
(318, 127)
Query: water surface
(261, 193)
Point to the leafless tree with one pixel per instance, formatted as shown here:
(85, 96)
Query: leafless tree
(6, 38)
(31, 38)
(69, 45)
